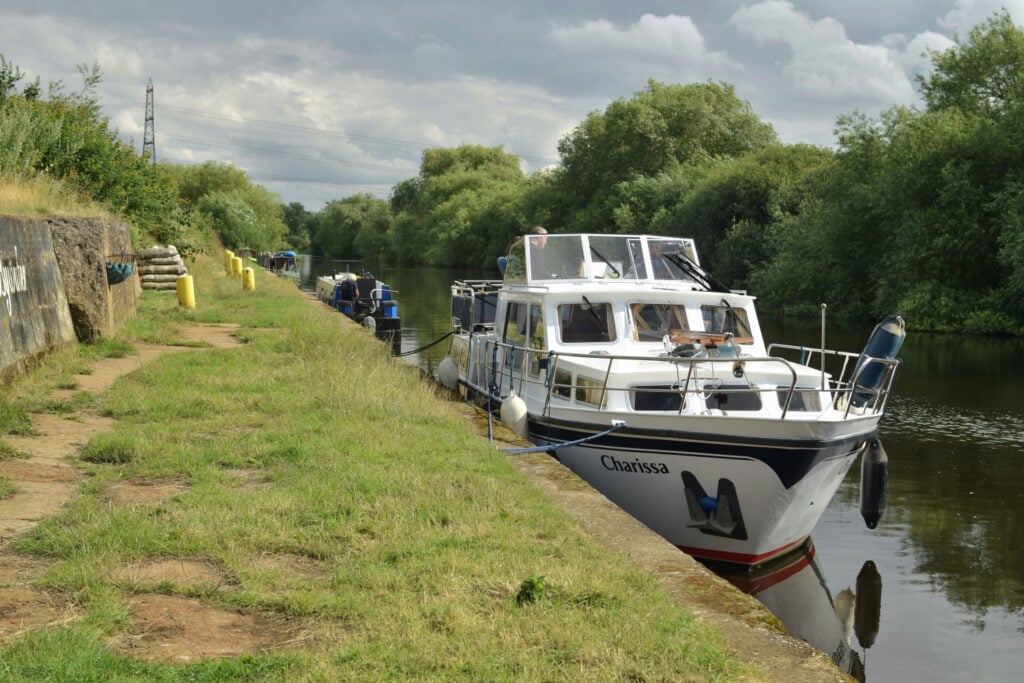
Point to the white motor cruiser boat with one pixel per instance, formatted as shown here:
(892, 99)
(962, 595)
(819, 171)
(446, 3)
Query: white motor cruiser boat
(624, 359)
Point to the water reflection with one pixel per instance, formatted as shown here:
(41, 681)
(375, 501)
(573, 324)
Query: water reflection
(793, 588)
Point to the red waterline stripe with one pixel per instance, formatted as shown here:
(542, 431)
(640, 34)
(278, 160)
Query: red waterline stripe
(755, 586)
(738, 558)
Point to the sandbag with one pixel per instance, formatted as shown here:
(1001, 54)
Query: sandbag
(158, 252)
(154, 277)
(163, 261)
(161, 286)
(178, 269)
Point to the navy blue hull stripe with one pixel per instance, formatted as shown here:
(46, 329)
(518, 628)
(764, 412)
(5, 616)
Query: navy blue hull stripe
(790, 459)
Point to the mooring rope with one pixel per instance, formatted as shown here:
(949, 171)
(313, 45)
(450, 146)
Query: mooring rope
(544, 449)
(424, 348)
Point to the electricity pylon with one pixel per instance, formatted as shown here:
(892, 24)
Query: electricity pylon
(149, 137)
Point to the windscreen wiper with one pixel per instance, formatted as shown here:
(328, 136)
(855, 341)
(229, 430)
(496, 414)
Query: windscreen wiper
(701, 276)
(609, 263)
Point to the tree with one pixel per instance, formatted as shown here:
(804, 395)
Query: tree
(981, 76)
(461, 208)
(10, 74)
(233, 219)
(659, 130)
(297, 220)
(66, 138)
(729, 209)
(210, 176)
(339, 227)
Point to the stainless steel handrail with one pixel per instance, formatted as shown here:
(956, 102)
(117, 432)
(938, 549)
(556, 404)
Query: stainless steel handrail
(553, 357)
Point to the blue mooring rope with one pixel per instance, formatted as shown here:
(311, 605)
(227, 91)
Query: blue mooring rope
(566, 444)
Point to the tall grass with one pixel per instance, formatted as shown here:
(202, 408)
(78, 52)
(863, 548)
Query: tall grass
(35, 196)
(27, 133)
(310, 443)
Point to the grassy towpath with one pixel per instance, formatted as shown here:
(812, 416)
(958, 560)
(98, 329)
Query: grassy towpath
(325, 514)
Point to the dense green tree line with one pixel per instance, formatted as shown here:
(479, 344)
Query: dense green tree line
(920, 212)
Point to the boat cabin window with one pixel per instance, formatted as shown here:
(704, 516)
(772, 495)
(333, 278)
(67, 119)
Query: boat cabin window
(804, 400)
(538, 258)
(524, 327)
(554, 256)
(611, 257)
(589, 390)
(651, 322)
(562, 384)
(586, 322)
(719, 319)
(664, 397)
(732, 397)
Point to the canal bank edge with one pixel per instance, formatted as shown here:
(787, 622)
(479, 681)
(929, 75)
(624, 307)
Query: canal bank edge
(750, 631)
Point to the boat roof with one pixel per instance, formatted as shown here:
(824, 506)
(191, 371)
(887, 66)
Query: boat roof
(583, 257)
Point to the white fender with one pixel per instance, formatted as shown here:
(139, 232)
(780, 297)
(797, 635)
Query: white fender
(513, 414)
(448, 373)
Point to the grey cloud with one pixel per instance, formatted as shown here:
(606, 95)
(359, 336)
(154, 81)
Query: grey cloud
(318, 100)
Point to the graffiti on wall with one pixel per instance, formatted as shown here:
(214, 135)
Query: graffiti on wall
(13, 279)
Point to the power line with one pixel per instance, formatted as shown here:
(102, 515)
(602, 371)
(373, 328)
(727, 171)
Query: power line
(371, 189)
(320, 131)
(294, 155)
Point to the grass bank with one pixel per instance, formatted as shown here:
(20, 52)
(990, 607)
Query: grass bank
(427, 556)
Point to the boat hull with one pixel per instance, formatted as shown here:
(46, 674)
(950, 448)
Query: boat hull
(775, 489)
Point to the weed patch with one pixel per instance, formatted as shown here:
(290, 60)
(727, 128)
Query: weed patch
(8, 452)
(110, 449)
(530, 590)
(14, 419)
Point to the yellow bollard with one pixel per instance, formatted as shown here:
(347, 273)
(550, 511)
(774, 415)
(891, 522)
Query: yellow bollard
(228, 256)
(248, 279)
(186, 293)
(236, 266)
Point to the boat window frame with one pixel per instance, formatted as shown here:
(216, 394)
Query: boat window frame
(589, 391)
(669, 395)
(678, 311)
(552, 257)
(561, 384)
(747, 398)
(529, 316)
(582, 316)
(741, 333)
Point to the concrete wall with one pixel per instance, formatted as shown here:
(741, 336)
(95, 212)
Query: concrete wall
(53, 285)
(34, 312)
(83, 246)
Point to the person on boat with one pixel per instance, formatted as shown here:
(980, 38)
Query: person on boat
(538, 240)
(505, 258)
(659, 264)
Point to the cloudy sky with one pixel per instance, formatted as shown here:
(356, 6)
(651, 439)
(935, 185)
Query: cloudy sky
(318, 100)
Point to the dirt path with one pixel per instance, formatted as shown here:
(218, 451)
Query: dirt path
(165, 627)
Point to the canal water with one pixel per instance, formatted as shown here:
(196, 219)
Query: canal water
(936, 592)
